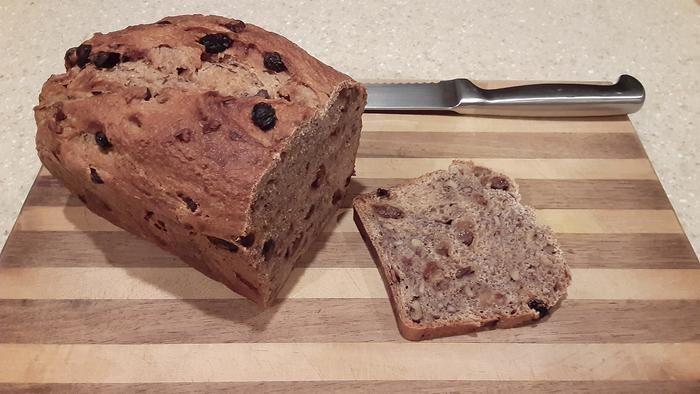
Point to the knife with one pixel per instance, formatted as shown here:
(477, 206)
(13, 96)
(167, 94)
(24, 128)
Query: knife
(462, 96)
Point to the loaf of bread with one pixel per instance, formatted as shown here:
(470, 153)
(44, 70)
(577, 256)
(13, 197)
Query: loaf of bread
(458, 251)
(223, 143)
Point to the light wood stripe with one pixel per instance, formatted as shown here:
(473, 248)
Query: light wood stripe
(516, 168)
(186, 283)
(40, 218)
(372, 386)
(500, 145)
(324, 320)
(610, 221)
(339, 250)
(538, 193)
(345, 361)
(476, 124)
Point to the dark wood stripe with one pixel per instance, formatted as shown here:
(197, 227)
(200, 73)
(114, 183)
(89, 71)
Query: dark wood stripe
(48, 190)
(370, 386)
(501, 145)
(323, 320)
(628, 251)
(340, 250)
(561, 194)
(668, 251)
(539, 193)
(82, 249)
(599, 194)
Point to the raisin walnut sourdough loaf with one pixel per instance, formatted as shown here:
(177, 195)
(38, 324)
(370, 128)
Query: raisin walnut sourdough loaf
(458, 251)
(223, 143)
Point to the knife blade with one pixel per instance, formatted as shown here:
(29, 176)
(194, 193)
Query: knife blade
(461, 96)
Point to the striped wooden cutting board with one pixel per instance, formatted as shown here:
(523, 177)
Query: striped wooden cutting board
(86, 307)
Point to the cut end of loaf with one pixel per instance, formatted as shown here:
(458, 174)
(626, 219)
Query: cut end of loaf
(305, 187)
(458, 251)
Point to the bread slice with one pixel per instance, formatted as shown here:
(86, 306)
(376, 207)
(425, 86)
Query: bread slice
(458, 251)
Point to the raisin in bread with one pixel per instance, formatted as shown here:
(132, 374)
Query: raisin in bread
(223, 143)
(458, 251)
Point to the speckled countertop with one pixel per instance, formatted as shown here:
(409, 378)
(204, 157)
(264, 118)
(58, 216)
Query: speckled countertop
(657, 41)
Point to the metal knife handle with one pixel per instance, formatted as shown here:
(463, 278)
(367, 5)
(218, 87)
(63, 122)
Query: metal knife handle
(551, 99)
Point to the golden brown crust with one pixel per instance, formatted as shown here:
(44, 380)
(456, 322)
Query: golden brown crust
(155, 131)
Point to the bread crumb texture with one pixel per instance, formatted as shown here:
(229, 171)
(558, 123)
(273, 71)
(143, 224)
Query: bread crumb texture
(458, 251)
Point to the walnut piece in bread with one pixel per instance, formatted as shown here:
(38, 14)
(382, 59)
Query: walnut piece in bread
(223, 143)
(458, 251)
